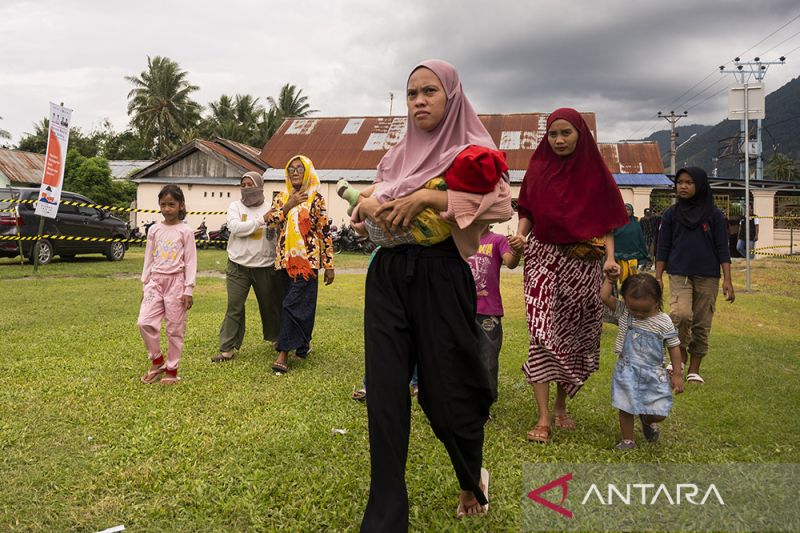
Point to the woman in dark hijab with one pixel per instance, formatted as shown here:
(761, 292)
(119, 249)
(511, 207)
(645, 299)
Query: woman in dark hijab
(692, 247)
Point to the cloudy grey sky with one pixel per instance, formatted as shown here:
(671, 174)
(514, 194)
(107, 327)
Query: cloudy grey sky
(622, 59)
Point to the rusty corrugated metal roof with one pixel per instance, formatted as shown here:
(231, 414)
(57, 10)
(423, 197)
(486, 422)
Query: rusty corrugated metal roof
(22, 167)
(632, 158)
(361, 142)
(240, 155)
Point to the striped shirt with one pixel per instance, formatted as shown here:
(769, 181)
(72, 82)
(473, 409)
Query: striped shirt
(660, 324)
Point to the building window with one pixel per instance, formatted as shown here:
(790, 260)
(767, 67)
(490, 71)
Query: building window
(220, 194)
(205, 194)
(229, 195)
(212, 194)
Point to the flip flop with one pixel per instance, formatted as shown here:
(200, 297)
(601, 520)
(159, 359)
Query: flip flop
(461, 512)
(153, 373)
(359, 395)
(219, 358)
(539, 434)
(696, 378)
(564, 421)
(280, 368)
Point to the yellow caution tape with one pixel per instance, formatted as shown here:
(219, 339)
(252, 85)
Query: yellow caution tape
(111, 207)
(90, 239)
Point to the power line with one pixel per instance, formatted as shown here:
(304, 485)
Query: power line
(770, 35)
(698, 95)
(654, 118)
(792, 51)
(780, 43)
(708, 98)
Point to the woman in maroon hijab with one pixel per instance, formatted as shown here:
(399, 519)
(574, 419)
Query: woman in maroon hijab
(568, 206)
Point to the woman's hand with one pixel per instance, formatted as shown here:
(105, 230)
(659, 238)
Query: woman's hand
(517, 243)
(727, 290)
(329, 275)
(187, 301)
(401, 212)
(368, 209)
(294, 200)
(611, 269)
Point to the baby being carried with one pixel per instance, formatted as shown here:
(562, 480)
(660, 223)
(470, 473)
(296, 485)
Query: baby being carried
(476, 169)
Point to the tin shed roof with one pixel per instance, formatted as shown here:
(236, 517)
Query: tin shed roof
(360, 142)
(22, 167)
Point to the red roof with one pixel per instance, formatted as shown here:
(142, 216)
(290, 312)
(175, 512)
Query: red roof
(360, 142)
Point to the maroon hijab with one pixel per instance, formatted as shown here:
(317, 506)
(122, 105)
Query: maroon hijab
(574, 198)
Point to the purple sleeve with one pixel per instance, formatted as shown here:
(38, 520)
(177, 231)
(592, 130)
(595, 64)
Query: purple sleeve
(503, 247)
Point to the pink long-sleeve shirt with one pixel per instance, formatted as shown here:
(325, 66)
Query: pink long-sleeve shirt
(171, 250)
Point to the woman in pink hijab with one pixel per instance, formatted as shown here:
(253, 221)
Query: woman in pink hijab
(420, 301)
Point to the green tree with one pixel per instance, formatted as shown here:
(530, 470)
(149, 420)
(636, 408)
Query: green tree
(783, 168)
(290, 103)
(91, 176)
(160, 104)
(36, 142)
(234, 118)
(3, 133)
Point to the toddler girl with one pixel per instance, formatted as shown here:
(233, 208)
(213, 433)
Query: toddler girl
(641, 384)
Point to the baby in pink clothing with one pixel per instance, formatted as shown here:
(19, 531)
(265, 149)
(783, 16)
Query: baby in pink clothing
(168, 277)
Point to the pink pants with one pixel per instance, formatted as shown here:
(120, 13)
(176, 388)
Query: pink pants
(162, 299)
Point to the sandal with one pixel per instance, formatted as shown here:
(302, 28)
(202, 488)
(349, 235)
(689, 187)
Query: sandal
(153, 374)
(461, 511)
(539, 434)
(222, 356)
(170, 380)
(359, 395)
(695, 378)
(280, 368)
(564, 421)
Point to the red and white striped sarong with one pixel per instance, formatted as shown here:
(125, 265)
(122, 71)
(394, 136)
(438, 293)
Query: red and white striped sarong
(564, 311)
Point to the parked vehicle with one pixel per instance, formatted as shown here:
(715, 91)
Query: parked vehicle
(201, 235)
(345, 239)
(219, 238)
(70, 220)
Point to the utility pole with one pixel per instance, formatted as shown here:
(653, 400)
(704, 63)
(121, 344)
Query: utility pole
(391, 101)
(743, 72)
(672, 118)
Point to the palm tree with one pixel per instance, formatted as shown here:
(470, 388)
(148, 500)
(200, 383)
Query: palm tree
(290, 103)
(782, 167)
(235, 118)
(3, 133)
(160, 104)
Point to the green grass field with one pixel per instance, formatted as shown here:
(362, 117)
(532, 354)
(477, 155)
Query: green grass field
(85, 446)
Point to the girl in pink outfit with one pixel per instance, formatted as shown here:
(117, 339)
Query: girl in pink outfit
(168, 276)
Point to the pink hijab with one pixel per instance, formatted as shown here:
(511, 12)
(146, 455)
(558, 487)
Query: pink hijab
(423, 155)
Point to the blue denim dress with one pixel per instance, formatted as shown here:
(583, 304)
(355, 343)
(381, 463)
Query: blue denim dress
(641, 384)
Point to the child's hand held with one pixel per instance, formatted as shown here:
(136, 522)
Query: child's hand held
(677, 383)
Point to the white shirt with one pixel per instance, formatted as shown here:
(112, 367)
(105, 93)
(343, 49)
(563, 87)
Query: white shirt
(251, 243)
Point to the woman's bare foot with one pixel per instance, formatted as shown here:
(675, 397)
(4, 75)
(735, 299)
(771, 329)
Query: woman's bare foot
(468, 504)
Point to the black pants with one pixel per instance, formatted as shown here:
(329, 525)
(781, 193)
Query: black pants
(490, 329)
(420, 309)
